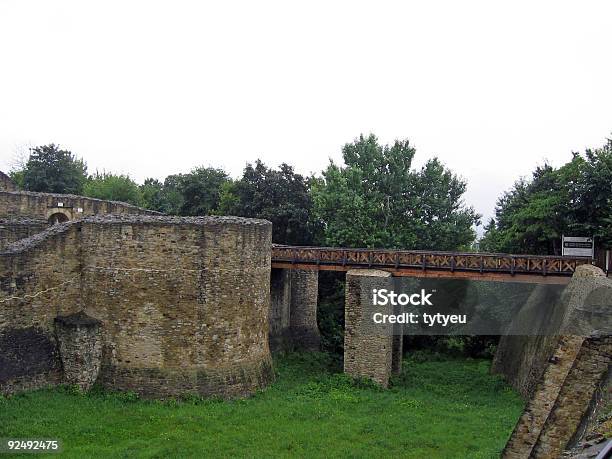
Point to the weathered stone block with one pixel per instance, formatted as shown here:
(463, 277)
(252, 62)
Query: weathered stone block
(80, 344)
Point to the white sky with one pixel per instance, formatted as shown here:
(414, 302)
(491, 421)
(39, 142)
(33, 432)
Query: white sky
(154, 88)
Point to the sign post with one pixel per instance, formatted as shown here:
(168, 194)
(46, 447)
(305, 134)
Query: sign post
(574, 246)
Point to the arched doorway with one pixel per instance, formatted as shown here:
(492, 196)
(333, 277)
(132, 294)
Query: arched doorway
(57, 218)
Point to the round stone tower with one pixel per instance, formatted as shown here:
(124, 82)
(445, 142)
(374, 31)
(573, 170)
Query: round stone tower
(183, 303)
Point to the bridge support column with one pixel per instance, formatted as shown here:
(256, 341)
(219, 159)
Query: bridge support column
(366, 355)
(293, 310)
(303, 310)
(280, 303)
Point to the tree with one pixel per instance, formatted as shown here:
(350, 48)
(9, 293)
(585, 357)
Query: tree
(52, 170)
(113, 187)
(200, 190)
(376, 200)
(575, 199)
(152, 191)
(281, 196)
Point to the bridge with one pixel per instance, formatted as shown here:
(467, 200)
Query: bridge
(538, 269)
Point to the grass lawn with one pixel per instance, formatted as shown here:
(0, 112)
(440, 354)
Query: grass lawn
(440, 407)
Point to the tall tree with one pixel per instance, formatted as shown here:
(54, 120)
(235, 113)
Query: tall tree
(50, 169)
(200, 190)
(575, 199)
(195, 193)
(281, 196)
(377, 200)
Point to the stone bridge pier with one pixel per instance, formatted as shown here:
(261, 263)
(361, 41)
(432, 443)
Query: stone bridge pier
(293, 321)
(293, 310)
(367, 354)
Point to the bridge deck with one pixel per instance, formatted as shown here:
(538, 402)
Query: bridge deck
(416, 263)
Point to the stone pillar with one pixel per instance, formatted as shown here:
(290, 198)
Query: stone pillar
(303, 311)
(367, 351)
(280, 303)
(80, 344)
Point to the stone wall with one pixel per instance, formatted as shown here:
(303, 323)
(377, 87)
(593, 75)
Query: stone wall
(522, 359)
(183, 302)
(14, 229)
(39, 280)
(6, 184)
(562, 374)
(46, 205)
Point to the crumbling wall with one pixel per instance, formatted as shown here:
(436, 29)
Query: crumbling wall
(39, 280)
(44, 205)
(575, 365)
(182, 302)
(14, 229)
(6, 184)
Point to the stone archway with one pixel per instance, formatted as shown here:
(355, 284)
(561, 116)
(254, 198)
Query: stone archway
(57, 217)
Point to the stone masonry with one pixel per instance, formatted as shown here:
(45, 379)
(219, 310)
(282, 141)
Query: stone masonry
(574, 372)
(62, 207)
(366, 355)
(182, 303)
(303, 312)
(293, 310)
(280, 306)
(17, 228)
(80, 344)
(6, 184)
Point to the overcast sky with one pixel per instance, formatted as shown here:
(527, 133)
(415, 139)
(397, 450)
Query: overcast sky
(154, 88)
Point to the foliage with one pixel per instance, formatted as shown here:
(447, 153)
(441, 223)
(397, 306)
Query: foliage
(575, 199)
(437, 407)
(471, 346)
(376, 200)
(201, 190)
(281, 196)
(330, 312)
(152, 192)
(195, 193)
(52, 170)
(113, 187)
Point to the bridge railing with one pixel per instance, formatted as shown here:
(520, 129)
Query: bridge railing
(426, 260)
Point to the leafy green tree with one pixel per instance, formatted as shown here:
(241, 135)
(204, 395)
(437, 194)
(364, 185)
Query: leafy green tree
(200, 190)
(152, 191)
(281, 196)
(377, 200)
(50, 169)
(575, 199)
(113, 187)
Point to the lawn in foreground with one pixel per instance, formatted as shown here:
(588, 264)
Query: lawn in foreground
(439, 407)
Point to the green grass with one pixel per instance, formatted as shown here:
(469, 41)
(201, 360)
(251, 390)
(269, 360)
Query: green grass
(440, 407)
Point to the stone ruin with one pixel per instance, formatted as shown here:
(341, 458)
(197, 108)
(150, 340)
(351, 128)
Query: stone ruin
(163, 306)
(168, 306)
